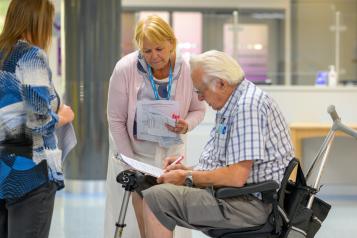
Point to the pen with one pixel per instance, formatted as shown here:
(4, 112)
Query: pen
(178, 160)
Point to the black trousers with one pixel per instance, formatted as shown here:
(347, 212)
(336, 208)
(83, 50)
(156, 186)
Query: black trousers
(30, 216)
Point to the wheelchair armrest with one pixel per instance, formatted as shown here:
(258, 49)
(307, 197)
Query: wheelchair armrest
(263, 187)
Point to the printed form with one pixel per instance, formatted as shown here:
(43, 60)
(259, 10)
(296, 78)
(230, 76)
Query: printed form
(151, 117)
(142, 167)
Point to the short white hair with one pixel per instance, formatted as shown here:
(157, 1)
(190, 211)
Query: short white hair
(216, 64)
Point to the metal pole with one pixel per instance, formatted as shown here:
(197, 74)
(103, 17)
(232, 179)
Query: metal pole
(337, 43)
(92, 41)
(323, 148)
(120, 224)
(235, 35)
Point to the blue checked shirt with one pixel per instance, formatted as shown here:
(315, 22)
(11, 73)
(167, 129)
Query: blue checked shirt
(250, 126)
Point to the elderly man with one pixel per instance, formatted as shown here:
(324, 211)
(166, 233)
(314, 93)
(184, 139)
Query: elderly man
(250, 143)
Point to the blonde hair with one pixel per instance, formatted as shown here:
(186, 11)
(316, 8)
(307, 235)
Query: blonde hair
(27, 18)
(216, 64)
(154, 29)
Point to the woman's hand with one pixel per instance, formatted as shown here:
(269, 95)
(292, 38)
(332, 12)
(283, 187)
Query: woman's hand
(180, 128)
(65, 114)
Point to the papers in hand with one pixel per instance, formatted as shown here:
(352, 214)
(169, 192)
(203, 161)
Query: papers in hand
(151, 117)
(140, 166)
(66, 139)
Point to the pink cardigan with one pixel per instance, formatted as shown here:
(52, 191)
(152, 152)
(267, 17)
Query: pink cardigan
(123, 89)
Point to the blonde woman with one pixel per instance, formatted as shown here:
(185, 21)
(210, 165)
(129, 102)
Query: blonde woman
(30, 161)
(156, 73)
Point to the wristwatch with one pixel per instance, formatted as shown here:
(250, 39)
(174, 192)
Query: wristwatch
(189, 179)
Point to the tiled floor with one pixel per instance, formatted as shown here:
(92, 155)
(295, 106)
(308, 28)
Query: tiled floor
(79, 216)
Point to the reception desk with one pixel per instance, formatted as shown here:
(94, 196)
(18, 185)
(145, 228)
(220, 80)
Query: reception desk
(301, 131)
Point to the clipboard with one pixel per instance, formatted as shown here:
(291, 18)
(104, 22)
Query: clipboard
(140, 166)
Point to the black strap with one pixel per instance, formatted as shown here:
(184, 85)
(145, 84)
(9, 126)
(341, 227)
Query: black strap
(276, 217)
(300, 179)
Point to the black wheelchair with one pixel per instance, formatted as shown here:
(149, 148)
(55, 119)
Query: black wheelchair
(296, 210)
(280, 220)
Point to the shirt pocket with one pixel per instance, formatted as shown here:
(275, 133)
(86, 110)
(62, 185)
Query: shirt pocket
(221, 144)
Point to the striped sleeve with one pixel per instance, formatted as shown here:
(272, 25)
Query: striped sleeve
(33, 72)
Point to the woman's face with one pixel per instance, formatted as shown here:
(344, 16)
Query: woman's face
(157, 55)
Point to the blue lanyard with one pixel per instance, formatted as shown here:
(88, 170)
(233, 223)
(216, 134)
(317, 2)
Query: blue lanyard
(154, 87)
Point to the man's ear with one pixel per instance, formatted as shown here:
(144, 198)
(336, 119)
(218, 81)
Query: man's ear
(221, 84)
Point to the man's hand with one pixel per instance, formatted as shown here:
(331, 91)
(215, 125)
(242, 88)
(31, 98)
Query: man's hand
(176, 177)
(168, 164)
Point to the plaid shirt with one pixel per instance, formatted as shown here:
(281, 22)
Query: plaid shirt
(250, 126)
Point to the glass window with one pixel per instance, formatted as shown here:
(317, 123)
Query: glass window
(252, 42)
(254, 39)
(316, 44)
(188, 31)
(313, 34)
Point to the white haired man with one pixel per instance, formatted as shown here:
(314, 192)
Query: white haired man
(250, 143)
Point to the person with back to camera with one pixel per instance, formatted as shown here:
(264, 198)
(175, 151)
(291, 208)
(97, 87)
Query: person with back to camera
(30, 111)
(249, 143)
(154, 73)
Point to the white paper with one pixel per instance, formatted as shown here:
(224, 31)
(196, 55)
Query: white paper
(151, 117)
(66, 139)
(142, 167)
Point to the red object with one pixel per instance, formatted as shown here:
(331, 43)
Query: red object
(175, 116)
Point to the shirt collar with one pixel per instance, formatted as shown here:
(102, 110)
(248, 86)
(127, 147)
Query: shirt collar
(232, 102)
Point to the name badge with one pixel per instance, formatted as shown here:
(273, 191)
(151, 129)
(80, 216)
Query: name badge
(222, 128)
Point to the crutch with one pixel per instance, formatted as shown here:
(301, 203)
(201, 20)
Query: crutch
(325, 147)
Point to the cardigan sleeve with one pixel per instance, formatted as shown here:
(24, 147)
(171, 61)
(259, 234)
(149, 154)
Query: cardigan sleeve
(37, 89)
(117, 109)
(196, 112)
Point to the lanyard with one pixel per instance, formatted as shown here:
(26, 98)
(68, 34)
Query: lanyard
(154, 87)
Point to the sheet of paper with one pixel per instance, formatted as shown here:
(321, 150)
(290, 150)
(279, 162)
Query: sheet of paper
(66, 139)
(156, 124)
(142, 167)
(151, 117)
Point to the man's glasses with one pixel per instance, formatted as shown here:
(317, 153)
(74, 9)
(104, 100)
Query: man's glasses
(201, 91)
(198, 91)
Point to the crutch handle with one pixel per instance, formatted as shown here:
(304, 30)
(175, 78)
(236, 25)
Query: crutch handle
(338, 125)
(332, 111)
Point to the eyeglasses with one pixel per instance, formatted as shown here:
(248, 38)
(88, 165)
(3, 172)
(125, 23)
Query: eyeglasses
(205, 86)
(200, 92)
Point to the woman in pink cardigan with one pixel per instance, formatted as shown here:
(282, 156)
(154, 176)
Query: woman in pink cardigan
(154, 72)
